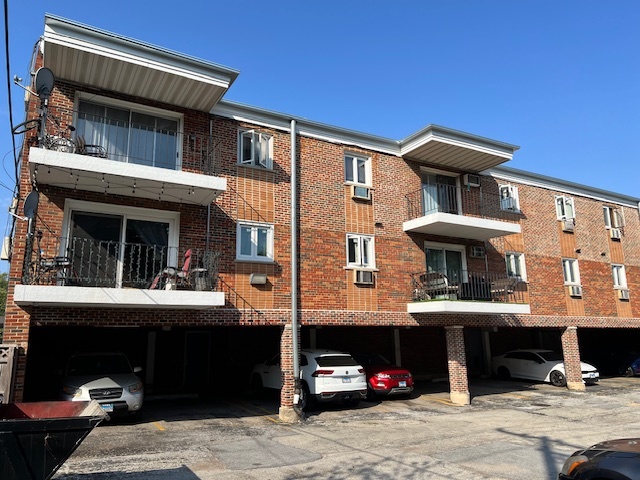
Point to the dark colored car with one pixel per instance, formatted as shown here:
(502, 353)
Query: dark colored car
(610, 460)
(384, 378)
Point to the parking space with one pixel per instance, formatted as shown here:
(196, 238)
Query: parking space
(512, 429)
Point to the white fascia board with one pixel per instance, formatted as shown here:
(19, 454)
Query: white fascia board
(89, 39)
(307, 128)
(469, 307)
(456, 138)
(563, 186)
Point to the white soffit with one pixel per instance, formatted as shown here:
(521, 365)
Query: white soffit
(85, 55)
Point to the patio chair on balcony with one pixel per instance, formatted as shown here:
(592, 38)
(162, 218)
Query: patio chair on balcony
(203, 276)
(171, 278)
(501, 288)
(435, 285)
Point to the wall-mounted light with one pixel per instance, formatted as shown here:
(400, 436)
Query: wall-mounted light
(258, 279)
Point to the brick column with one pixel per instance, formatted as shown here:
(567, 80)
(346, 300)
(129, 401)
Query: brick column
(287, 413)
(457, 362)
(571, 353)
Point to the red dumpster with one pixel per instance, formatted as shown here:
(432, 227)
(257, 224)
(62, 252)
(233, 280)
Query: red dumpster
(37, 438)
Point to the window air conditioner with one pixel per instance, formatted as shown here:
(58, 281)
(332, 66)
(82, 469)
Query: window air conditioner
(575, 291)
(471, 180)
(360, 192)
(364, 277)
(568, 224)
(477, 251)
(615, 233)
(623, 294)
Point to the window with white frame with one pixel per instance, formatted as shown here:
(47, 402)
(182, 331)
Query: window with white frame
(360, 251)
(612, 217)
(357, 169)
(571, 271)
(619, 276)
(515, 265)
(254, 242)
(564, 208)
(255, 148)
(509, 198)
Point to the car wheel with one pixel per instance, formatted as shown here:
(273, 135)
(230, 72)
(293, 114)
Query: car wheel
(503, 373)
(628, 372)
(257, 388)
(306, 402)
(557, 379)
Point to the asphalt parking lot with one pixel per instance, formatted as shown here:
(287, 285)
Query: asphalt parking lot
(511, 430)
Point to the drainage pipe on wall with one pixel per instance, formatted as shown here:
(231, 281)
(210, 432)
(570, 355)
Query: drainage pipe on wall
(294, 266)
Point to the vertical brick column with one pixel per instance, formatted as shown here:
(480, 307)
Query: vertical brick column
(457, 362)
(286, 412)
(571, 353)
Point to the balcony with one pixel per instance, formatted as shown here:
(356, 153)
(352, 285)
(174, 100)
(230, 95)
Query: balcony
(107, 154)
(83, 272)
(451, 211)
(462, 291)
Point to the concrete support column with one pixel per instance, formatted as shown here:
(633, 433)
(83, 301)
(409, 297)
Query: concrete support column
(571, 354)
(287, 411)
(457, 362)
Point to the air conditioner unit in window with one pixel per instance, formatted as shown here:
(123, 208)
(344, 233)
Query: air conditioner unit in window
(360, 192)
(477, 251)
(568, 224)
(471, 180)
(575, 291)
(623, 294)
(364, 277)
(615, 233)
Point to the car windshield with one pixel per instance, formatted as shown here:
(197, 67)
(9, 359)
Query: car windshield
(551, 356)
(336, 361)
(98, 365)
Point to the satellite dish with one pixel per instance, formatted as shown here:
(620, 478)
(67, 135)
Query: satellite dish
(31, 204)
(44, 82)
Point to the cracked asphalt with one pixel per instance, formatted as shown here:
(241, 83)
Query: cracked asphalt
(511, 430)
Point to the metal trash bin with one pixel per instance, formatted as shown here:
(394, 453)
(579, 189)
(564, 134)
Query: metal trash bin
(37, 438)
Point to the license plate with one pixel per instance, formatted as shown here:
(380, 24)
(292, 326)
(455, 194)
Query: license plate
(346, 379)
(107, 407)
(402, 384)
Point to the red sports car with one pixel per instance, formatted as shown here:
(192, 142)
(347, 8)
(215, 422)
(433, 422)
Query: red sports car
(384, 378)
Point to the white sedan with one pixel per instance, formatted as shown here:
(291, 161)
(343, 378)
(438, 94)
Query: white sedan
(541, 365)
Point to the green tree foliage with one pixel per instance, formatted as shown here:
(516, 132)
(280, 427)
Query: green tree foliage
(4, 283)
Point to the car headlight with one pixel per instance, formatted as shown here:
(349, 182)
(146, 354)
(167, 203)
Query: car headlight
(72, 391)
(572, 463)
(136, 387)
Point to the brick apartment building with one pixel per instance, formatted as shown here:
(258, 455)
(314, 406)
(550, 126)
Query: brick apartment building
(427, 250)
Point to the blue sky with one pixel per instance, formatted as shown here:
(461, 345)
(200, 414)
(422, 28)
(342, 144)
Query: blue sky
(561, 79)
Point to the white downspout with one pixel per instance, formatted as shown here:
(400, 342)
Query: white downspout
(294, 266)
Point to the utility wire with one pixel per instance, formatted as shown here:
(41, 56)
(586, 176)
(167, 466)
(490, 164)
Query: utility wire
(8, 67)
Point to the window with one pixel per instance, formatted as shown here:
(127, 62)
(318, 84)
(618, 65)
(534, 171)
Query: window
(509, 198)
(564, 207)
(255, 148)
(571, 271)
(360, 252)
(119, 246)
(357, 169)
(127, 135)
(254, 242)
(447, 259)
(515, 265)
(612, 217)
(619, 276)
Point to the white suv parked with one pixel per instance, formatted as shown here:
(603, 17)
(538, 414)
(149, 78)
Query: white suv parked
(327, 375)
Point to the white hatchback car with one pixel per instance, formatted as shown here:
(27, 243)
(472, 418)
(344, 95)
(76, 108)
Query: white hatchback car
(107, 378)
(538, 364)
(326, 375)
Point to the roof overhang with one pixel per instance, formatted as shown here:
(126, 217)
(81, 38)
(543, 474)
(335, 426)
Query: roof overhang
(82, 172)
(85, 55)
(466, 307)
(455, 150)
(460, 226)
(53, 296)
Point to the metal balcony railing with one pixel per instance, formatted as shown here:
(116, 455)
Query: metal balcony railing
(100, 263)
(467, 201)
(467, 285)
(155, 143)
